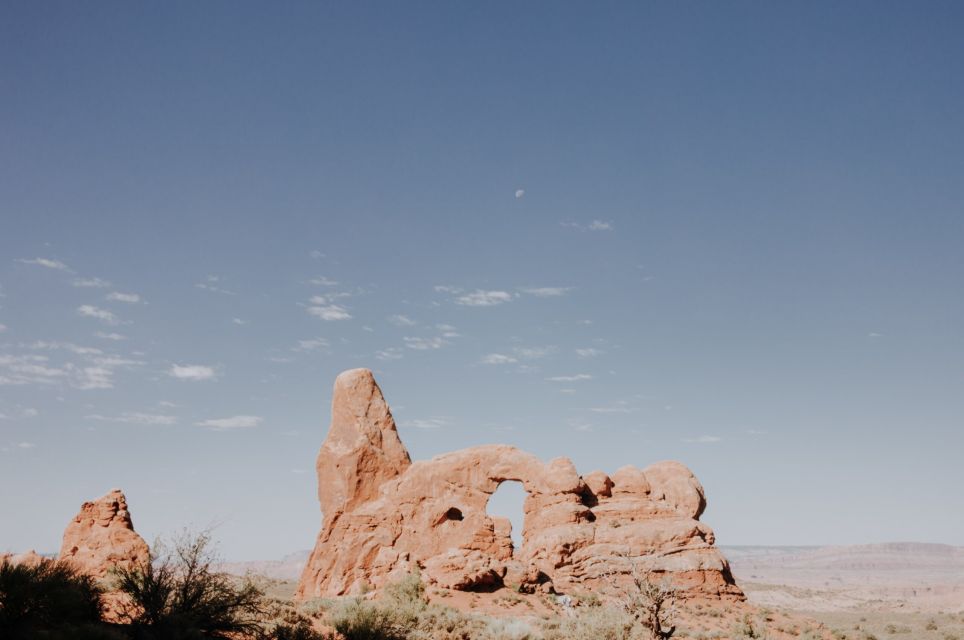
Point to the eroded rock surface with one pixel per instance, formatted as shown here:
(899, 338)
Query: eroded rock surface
(102, 536)
(385, 516)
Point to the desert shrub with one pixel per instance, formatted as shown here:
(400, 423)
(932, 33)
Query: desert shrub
(364, 620)
(179, 596)
(747, 628)
(594, 623)
(49, 600)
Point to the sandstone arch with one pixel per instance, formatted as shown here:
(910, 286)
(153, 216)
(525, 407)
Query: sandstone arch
(385, 516)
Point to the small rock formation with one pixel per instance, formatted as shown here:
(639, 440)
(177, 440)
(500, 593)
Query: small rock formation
(29, 558)
(385, 516)
(102, 536)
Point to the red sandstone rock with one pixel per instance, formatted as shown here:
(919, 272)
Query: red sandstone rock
(30, 558)
(385, 516)
(102, 537)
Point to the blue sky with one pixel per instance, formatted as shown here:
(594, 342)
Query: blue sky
(728, 234)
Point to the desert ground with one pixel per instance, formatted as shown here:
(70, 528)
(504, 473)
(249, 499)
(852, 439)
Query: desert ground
(898, 590)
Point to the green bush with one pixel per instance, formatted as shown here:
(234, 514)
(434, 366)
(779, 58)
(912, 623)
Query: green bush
(49, 600)
(179, 596)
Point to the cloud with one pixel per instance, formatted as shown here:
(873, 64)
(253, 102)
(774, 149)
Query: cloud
(3, 328)
(444, 288)
(210, 283)
(574, 378)
(330, 312)
(595, 225)
(427, 423)
(874, 334)
(192, 372)
(323, 281)
(448, 331)
(311, 345)
(391, 353)
(136, 417)
(110, 336)
(422, 344)
(103, 315)
(519, 193)
(234, 422)
(67, 346)
(589, 352)
(498, 358)
(703, 439)
(130, 298)
(239, 322)
(400, 320)
(546, 292)
(95, 371)
(481, 298)
(46, 262)
(613, 409)
(534, 353)
(317, 255)
(26, 445)
(95, 283)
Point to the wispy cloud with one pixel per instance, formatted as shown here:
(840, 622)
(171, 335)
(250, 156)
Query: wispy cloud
(616, 408)
(93, 371)
(534, 353)
(67, 346)
(110, 336)
(498, 358)
(703, 439)
(90, 311)
(481, 298)
(117, 296)
(546, 292)
(323, 281)
(211, 283)
(588, 352)
(45, 262)
(390, 353)
(594, 225)
(195, 372)
(329, 312)
(234, 422)
(425, 423)
(400, 320)
(239, 322)
(574, 378)
(90, 283)
(422, 344)
(444, 288)
(136, 417)
(3, 328)
(519, 193)
(312, 344)
(448, 331)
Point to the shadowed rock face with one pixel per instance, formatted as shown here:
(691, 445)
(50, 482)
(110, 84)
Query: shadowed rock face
(102, 537)
(385, 516)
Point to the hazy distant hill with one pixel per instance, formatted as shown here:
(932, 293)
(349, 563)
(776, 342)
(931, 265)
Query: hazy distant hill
(906, 562)
(288, 568)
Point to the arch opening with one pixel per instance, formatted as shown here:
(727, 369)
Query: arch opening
(507, 502)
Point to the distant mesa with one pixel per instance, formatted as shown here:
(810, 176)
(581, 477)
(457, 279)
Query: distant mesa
(101, 536)
(385, 516)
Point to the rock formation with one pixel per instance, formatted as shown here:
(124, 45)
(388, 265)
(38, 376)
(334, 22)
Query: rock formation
(102, 536)
(385, 516)
(30, 558)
